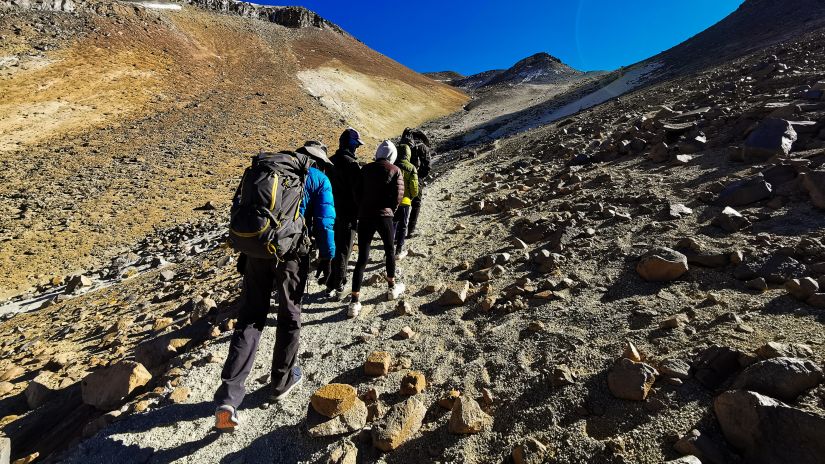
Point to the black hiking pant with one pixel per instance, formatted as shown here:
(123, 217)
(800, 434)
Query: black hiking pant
(345, 231)
(416, 208)
(400, 221)
(261, 276)
(366, 231)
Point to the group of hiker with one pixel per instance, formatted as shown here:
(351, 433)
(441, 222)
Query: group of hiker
(288, 204)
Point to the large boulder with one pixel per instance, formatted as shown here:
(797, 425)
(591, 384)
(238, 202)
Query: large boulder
(399, 425)
(40, 389)
(629, 380)
(814, 183)
(782, 378)
(107, 388)
(661, 265)
(767, 431)
(744, 192)
(467, 417)
(773, 137)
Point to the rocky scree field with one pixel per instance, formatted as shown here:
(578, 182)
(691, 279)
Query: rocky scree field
(640, 282)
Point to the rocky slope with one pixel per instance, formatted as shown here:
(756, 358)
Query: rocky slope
(643, 281)
(118, 117)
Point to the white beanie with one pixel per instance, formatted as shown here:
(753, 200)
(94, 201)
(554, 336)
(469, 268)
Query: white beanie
(386, 151)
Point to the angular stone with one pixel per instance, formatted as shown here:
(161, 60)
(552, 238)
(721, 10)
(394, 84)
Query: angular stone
(802, 289)
(661, 265)
(814, 183)
(562, 375)
(12, 373)
(448, 400)
(767, 431)
(674, 322)
(731, 220)
(352, 419)
(413, 383)
(333, 399)
(744, 192)
(716, 364)
(675, 368)
(107, 388)
(40, 390)
(817, 300)
(630, 380)
(784, 350)
(630, 352)
(486, 275)
(467, 417)
(344, 454)
(530, 451)
(758, 283)
(455, 295)
(5, 389)
(676, 211)
(773, 137)
(781, 378)
(399, 425)
(702, 448)
(660, 153)
(378, 363)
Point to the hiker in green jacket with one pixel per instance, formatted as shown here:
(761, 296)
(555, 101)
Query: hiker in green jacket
(411, 190)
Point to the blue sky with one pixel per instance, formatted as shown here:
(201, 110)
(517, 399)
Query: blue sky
(474, 36)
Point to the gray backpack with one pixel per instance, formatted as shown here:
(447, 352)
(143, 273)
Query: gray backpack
(265, 220)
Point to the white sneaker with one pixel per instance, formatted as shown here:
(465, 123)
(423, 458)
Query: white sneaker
(333, 294)
(396, 291)
(354, 309)
(401, 255)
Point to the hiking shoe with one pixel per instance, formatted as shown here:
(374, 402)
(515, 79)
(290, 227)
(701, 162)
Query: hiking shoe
(396, 291)
(333, 293)
(295, 379)
(226, 418)
(401, 255)
(354, 309)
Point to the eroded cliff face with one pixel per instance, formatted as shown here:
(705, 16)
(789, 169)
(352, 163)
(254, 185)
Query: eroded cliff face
(288, 16)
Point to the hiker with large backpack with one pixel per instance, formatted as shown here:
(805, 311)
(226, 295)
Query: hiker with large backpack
(421, 158)
(382, 189)
(411, 189)
(267, 226)
(346, 207)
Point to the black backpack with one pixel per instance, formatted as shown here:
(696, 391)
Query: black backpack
(421, 157)
(265, 220)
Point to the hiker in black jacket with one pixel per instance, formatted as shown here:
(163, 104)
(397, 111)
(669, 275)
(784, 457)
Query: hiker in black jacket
(421, 157)
(345, 190)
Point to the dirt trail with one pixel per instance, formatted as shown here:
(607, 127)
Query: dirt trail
(330, 353)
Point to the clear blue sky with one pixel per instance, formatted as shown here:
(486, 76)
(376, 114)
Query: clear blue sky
(472, 36)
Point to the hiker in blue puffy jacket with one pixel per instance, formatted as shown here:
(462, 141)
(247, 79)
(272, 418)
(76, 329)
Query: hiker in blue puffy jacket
(289, 277)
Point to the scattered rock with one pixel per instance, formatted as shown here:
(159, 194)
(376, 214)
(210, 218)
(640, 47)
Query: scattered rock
(745, 192)
(662, 265)
(455, 295)
(562, 375)
(814, 183)
(405, 333)
(702, 448)
(347, 421)
(781, 378)
(530, 451)
(344, 454)
(413, 383)
(40, 390)
(676, 211)
(767, 431)
(803, 288)
(378, 363)
(12, 373)
(674, 322)
(107, 388)
(784, 350)
(179, 395)
(675, 368)
(448, 400)
(716, 364)
(399, 425)
(631, 353)
(333, 399)
(731, 220)
(467, 417)
(630, 380)
(773, 137)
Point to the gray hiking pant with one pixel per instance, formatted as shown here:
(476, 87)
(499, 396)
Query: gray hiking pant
(261, 276)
